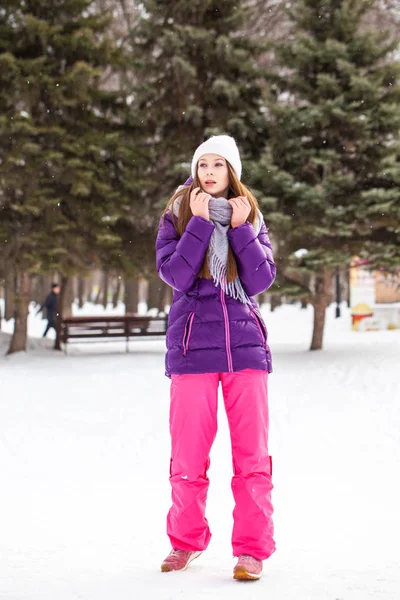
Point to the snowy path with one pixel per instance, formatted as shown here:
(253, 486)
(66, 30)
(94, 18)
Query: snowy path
(84, 454)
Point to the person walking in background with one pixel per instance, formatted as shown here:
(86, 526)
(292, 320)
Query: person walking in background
(51, 306)
(213, 249)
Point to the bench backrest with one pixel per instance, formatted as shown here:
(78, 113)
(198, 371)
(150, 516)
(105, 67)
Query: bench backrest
(111, 326)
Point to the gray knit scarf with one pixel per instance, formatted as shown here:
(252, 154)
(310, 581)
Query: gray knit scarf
(220, 215)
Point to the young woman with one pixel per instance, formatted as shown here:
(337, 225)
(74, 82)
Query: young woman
(213, 250)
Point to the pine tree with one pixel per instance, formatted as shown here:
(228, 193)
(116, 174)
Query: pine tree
(66, 143)
(330, 174)
(196, 76)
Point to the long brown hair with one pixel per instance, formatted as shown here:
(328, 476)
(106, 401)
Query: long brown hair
(236, 188)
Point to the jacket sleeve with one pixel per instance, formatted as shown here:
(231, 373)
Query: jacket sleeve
(254, 258)
(179, 259)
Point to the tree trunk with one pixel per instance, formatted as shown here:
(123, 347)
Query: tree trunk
(117, 290)
(36, 295)
(163, 295)
(81, 291)
(68, 298)
(106, 282)
(89, 289)
(275, 301)
(261, 298)
(9, 297)
(40, 288)
(348, 289)
(22, 297)
(62, 298)
(131, 296)
(167, 296)
(320, 301)
(98, 296)
(155, 294)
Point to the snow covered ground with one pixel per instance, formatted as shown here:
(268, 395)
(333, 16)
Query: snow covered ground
(84, 455)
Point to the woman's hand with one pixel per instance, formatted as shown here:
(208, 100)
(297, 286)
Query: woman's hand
(199, 204)
(241, 210)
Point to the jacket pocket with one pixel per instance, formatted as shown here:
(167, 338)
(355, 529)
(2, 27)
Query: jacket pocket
(187, 333)
(263, 332)
(261, 327)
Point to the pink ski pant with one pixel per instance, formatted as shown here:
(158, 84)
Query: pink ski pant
(193, 427)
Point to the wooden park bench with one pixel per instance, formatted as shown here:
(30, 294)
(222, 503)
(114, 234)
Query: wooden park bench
(111, 328)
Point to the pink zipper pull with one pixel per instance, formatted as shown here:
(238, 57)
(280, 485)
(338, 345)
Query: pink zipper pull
(187, 333)
(227, 332)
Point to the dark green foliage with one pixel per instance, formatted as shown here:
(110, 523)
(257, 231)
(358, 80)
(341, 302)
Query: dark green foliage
(331, 173)
(196, 76)
(65, 142)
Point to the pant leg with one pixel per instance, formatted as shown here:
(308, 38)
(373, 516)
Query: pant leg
(51, 324)
(193, 427)
(246, 402)
(48, 327)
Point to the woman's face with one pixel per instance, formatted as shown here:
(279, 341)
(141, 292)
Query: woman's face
(212, 172)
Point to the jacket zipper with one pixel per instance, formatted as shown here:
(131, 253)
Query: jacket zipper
(187, 333)
(227, 332)
(260, 328)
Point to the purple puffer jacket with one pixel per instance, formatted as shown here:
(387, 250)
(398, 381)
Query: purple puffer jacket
(209, 331)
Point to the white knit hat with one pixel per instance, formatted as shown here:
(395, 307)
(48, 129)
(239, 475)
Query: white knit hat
(224, 146)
